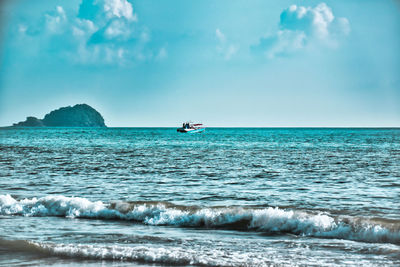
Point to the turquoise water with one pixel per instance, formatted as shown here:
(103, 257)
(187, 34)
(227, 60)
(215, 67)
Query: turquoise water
(227, 197)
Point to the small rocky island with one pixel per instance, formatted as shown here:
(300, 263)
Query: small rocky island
(81, 115)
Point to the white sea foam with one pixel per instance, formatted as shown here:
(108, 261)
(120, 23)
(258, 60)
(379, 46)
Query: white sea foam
(205, 256)
(268, 220)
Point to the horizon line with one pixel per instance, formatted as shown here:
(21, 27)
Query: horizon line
(263, 127)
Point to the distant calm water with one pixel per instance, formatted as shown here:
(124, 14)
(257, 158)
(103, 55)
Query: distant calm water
(227, 197)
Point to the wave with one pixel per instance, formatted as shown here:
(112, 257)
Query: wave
(144, 254)
(266, 220)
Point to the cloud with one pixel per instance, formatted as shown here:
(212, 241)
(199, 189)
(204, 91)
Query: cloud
(55, 21)
(102, 31)
(96, 10)
(220, 36)
(22, 28)
(119, 9)
(224, 48)
(301, 27)
(162, 53)
(83, 27)
(117, 29)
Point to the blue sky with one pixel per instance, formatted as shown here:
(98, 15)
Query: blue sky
(224, 63)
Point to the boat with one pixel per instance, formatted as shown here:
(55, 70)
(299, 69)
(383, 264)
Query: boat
(189, 127)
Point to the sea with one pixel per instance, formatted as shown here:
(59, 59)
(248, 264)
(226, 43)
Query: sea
(225, 197)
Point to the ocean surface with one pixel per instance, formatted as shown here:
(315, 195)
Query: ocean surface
(226, 197)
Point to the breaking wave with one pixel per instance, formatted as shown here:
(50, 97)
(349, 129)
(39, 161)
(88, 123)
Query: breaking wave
(266, 220)
(144, 254)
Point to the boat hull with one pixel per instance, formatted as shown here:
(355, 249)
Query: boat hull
(191, 130)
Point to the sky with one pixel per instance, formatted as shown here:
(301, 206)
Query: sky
(224, 63)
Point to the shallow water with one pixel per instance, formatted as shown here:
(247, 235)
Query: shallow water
(227, 197)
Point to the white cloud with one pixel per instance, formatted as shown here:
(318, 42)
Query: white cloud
(114, 19)
(121, 52)
(302, 26)
(287, 42)
(220, 36)
(102, 31)
(61, 11)
(162, 53)
(224, 48)
(117, 29)
(83, 27)
(55, 21)
(119, 9)
(145, 36)
(344, 25)
(22, 28)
